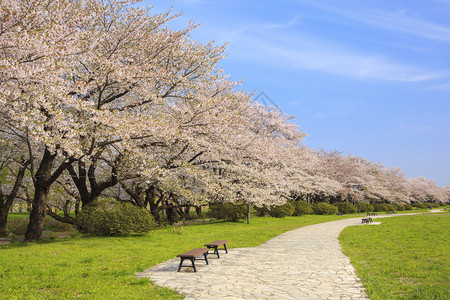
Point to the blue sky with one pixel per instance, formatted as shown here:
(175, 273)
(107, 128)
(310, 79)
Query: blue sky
(368, 78)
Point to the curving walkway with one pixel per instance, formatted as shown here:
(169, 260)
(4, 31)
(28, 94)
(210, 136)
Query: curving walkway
(304, 263)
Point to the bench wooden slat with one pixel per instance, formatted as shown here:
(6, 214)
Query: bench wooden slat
(193, 253)
(217, 243)
(192, 256)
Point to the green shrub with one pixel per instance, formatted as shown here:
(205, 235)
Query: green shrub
(398, 207)
(280, 211)
(17, 226)
(262, 211)
(227, 211)
(302, 208)
(408, 207)
(419, 205)
(365, 207)
(383, 207)
(110, 218)
(346, 207)
(323, 208)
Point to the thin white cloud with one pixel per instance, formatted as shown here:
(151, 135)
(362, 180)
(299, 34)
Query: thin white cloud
(440, 87)
(395, 21)
(306, 54)
(290, 23)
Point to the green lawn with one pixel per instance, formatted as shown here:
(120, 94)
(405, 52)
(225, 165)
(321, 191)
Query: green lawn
(403, 258)
(103, 268)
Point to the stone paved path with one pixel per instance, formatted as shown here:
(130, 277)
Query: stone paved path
(305, 263)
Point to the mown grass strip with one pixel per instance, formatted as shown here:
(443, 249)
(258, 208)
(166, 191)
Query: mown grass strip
(403, 258)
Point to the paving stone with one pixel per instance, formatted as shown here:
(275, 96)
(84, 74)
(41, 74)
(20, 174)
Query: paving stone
(305, 263)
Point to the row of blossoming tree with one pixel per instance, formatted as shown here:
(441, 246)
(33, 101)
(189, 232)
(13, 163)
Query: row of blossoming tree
(103, 98)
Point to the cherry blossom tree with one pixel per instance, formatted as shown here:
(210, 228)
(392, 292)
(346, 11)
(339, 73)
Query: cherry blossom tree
(13, 165)
(105, 94)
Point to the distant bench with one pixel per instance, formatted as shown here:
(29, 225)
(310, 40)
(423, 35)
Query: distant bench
(372, 214)
(366, 220)
(216, 244)
(193, 255)
(391, 212)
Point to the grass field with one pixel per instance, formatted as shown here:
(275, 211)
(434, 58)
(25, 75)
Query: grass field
(104, 267)
(403, 258)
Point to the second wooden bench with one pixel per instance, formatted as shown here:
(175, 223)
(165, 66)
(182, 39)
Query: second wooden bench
(216, 244)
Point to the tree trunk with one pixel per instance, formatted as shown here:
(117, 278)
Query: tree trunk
(37, 215)
(171, 212)
(43, 182)
(150, 198)
(89, 194)
(3, 220)
(41, 191)
(198, 210)
(187, 211)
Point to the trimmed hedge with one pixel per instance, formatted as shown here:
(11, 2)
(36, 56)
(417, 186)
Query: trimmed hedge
(323, 208)
(383, 207)
(280, 211)
(302, 208)
(227, 211)
(365, 207)
(407, 207)
(346, 207)
(110, 218)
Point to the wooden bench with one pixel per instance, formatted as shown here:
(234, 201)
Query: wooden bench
(372, 214)
(216, 244)
(366, 220)
(194, 255)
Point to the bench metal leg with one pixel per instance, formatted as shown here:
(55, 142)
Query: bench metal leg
(216, 249)
(193, 264)
(192, 261)
(181, 264)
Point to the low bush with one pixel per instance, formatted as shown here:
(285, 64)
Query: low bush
(323, 208)
(262, 211)
(301, 208)
(383, 207)
(419, 205)
(17, 226)
(407, 206)
(227, 211)
(346, 207)
(366, 207)
(110, 218)
(399, 207)
(280, 211)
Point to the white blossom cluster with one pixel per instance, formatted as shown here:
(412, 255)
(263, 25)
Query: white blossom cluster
(105, 93)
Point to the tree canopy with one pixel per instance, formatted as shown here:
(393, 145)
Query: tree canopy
(103, 95)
